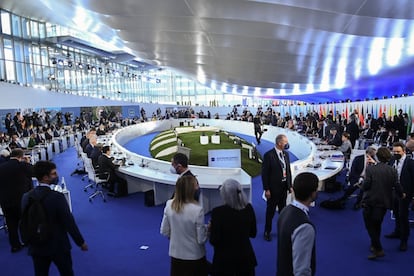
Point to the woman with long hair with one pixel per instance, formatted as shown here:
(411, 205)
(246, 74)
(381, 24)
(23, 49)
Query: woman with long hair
(231, 227)
(183, 224)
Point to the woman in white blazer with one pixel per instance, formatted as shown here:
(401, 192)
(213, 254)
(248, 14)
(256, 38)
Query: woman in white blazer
(183, 223)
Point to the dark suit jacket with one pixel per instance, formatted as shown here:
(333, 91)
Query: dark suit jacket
(8, 124)
(272, 173)
(94, 156)
(356, 169)
(380, 180)
(15, 180)
(107, 166)
(230, 235)
(62, 222)
(407, 177)
(353, 130)
(335, 140)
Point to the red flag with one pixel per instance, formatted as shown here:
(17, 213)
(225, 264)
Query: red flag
(361, 116)
(346, 112)
(380, 111)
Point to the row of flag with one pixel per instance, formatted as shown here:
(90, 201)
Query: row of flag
(346, 109)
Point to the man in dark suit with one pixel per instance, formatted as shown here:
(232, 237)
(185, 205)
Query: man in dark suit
(276, 179)
(353, 129)
(371, 123)
(179, 165)
(57, 248)
(8, 123)
(357, 174)
(405, 169)
(257, 122)
(106, 166)
(85, 139)
(93, 140)
(95, 153)
(15, 180)
(379, 183)
(334, 138)
(296, 234)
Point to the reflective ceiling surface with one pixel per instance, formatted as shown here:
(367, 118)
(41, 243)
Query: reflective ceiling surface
(312, 50)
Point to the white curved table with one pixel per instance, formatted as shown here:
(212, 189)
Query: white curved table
(151, 174)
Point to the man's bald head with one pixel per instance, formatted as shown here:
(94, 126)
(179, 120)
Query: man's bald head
(410, 145)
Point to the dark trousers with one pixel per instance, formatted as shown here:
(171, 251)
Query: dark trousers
(258, 133)
(63, 262)
(12, 216)
(247, 272)
(188, 267)
(373, 217)
(402, 224)
(121, 185)
(278, 200)
(350, 190)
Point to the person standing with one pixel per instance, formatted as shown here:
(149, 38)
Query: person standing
(380, 180)
(257, 122)
(57, 248)
(231, 227)
(15, 180)
(183, 224)
(276, 180)
(179, 165)
(405, 170)
(357, 174)
(8, 123)
(296, 234)
(353, 129)
(346, 146)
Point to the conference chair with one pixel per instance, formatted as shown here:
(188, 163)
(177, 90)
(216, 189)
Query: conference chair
(88, 173)
(100, 181)
(96, 180)
(80, 169)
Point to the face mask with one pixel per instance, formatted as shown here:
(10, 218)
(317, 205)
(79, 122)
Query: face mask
(287, 146)
(397, 156)
(173, 170)
(55, 180)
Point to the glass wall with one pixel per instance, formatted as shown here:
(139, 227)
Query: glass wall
(28, 57)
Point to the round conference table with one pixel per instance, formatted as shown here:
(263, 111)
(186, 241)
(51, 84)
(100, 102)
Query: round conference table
(145, 174)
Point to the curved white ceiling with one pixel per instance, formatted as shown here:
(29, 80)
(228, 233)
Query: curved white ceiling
(324, 50)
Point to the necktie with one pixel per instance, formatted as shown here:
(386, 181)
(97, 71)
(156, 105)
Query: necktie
(282, 159)
(396, 164)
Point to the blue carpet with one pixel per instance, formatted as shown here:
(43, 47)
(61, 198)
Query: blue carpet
(116, 230)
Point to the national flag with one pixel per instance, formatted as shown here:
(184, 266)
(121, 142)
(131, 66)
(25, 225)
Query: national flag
(346, 112)
(410, 121)
(361, 116)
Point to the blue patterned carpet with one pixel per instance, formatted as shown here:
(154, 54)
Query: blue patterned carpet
(116, 230)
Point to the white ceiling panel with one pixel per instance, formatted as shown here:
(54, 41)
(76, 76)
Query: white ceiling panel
(280, 44)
